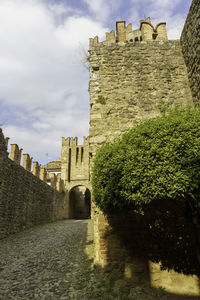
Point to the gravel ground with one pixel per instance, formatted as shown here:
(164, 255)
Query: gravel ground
(55, 261)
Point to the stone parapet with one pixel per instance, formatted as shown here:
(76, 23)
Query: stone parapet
(15, 153)
(43, 174)
(59, 186)
(27, 162)
(25, 200)
(53, 180)
(125, 34)
(36, 169)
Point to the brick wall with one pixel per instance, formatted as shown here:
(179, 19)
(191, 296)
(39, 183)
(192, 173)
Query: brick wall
(25, 200)
(190, 41)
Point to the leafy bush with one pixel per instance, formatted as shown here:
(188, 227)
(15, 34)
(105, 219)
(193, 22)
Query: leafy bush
(156, 160)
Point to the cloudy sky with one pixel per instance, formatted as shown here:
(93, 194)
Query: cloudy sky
(43, 78)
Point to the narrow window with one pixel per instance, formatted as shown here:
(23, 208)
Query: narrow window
(77, 151)
(69, 165)
(82, 150)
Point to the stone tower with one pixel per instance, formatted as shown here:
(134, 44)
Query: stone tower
(130, 73)
(76, 176)
(75, 162)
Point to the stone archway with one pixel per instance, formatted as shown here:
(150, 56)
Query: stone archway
(79, 202)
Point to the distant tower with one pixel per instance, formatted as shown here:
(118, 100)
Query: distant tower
(75, 174)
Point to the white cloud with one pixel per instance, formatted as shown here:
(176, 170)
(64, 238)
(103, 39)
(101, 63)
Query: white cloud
(99, 7)
(41, 74)
(156, 4)
(159, 5)
(29, 140)
(76, 30)
(43, 84)
(134, 18)
(103, 9)
(160, 11)
(43, 58)
(59, 8)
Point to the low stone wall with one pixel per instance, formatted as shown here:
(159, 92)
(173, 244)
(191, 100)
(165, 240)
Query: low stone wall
(25, 200)
(190, 41)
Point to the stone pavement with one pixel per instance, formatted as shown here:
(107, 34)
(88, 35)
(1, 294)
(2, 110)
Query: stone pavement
(42, 262)
(52, 261)
(55, 261)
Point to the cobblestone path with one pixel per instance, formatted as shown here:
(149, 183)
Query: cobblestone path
(45, 261)
(55, 261)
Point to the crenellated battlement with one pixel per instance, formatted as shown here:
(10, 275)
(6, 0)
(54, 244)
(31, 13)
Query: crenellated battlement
(74, 160)
(16, 153)
(149, 32)
(77, 152)
(25, 200)
(27, 162)
(125, 34)
(33, 167)
(36, 169)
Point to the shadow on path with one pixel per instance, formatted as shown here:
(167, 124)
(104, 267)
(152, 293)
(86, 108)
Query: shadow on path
(55, 261)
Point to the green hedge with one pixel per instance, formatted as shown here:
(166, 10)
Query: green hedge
(156, 160)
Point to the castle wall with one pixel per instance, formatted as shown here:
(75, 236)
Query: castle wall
(190, 41)
(127, 82)
(25, 200)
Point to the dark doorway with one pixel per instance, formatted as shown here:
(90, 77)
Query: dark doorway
(79, 202)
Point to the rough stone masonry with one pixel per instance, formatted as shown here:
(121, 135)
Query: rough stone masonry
(25, 200)
(128, 80)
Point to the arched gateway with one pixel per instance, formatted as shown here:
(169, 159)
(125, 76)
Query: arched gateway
(74, 169)
(75, 172)
(79, 202)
